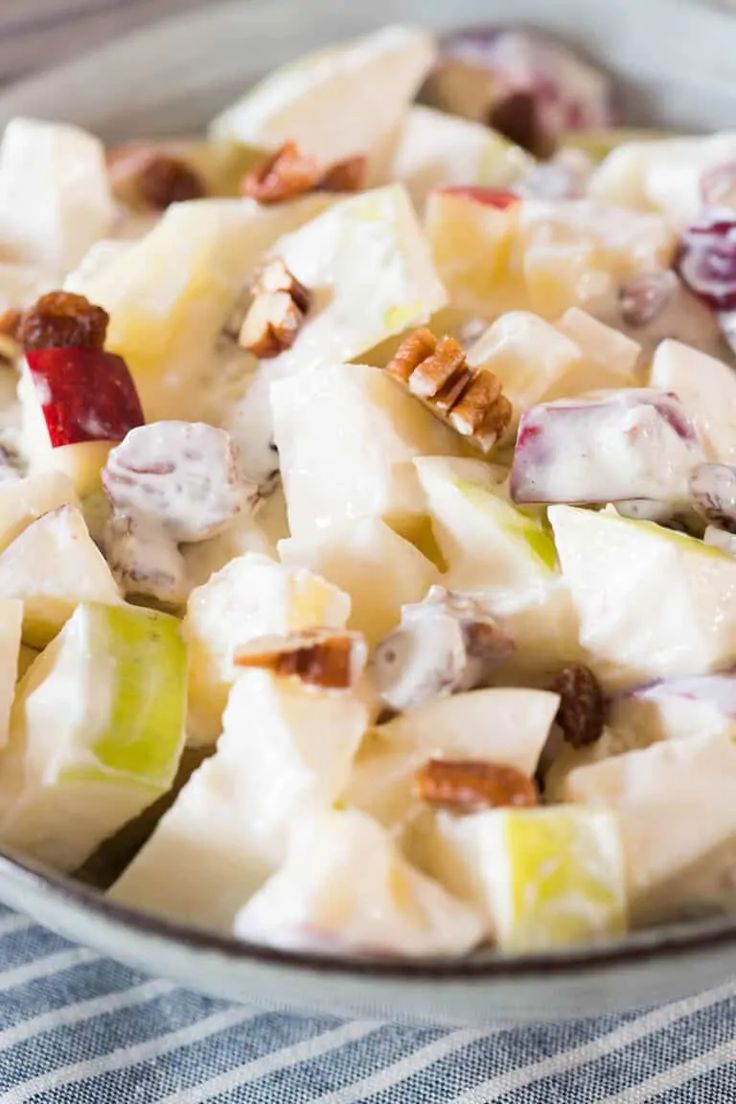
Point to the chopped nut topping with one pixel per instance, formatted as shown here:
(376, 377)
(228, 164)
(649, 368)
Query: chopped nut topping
(145, 560)
(182, 476)
(344, 176)
(284, 175)
(411, 352)
(329, 658)
(466, 786)
(469, 400)
(60, 319)
(580, 715)
(445, 644)
(277, 312)
(289, 173)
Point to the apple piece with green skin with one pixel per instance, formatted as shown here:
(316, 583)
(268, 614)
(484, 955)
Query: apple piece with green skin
(55, 199)
(76, 403)
(340, 101)
(11, 622)
(707, 389)
(52, 566)
(315, 901)
(26, 500)
(663, 175)
(346, 435)
(436, 149)
(171, 294)
(487, 543)
(506, 726)
(357, 555)
(538, 361)
(650, 789)
(285, 753)
(616, 568)
(636, 443)
(541, 878)
(249, 597)
(97, 729)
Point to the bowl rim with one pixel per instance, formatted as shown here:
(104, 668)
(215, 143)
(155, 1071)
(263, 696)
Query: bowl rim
(664, 941)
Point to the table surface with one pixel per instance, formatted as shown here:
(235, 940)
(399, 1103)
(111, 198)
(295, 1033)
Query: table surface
(79, 1029)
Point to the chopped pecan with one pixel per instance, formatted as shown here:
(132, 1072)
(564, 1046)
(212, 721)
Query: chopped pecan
(286, 174)
(411, 352)
(276, 313)
(581, 711)
(275, 276)
(344, 176)
(61, 318)
(436, 372)
(468, 785)
(271, 324)
(330, 658)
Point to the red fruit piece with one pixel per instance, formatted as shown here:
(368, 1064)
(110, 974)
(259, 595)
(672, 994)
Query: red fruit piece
(85, 394)
(706, 259)
(491, 197)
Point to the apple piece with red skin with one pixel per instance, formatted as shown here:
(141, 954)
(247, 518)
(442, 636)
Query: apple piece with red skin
(76, 403)
(632, 444)
(489, 197)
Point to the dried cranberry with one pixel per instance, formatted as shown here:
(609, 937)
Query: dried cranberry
(706, 259)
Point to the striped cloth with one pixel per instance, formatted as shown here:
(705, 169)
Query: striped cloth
(76, 1028)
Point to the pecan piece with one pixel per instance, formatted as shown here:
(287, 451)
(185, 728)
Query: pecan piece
(468, 785)
(182, 476)
(581, 711)
(60, 319)
(284, 175)
(469, 400)
(344, 176)
(276, 313)
(330, 658)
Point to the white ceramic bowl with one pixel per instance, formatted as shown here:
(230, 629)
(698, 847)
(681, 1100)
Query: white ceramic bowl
(676, 63)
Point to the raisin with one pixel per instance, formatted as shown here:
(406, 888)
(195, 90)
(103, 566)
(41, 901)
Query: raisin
(60, 319)
(580, 715)
(164, 179)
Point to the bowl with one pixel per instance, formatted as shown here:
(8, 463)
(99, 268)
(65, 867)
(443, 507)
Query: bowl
(674, 59)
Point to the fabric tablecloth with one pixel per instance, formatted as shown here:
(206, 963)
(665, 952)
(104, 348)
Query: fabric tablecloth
(76, 1028)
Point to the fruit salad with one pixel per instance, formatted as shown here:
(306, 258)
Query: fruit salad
(368, 507)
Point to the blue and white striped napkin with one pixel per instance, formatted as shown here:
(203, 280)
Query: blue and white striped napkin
(76, 1028)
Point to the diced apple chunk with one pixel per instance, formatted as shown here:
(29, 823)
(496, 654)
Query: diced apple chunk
(346, 435)
(537, 361)
(11, 621)
(284, 755)
(506, 726)
(676, 708)
(619, 571)
(316, 901)
(707, 389)
(55, 200)
(337, 102)
(24, 501)
(676, 809)
(378, 569)
(542, 878)
(486, 542)
(249, 597)
(96, 733)
(630, 444)
(434, 149)
(52, 566)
